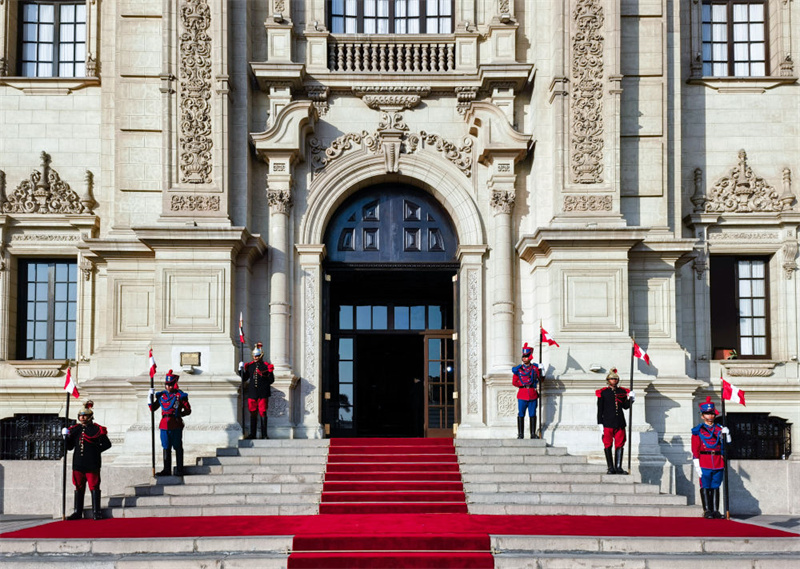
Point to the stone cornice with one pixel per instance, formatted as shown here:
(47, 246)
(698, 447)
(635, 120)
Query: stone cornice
(288, 132)
(547, 239)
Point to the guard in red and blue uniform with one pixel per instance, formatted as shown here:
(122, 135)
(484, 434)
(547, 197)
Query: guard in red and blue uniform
(174, 405)
(526, 379)
(259, 377)
(612, 401)
(88, 440)
(708, 440)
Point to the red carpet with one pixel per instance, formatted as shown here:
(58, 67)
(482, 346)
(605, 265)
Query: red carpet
(392, 476)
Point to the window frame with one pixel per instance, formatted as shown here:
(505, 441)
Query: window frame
(55, 62)
(730, 43)
(23, 283)
(391, 17)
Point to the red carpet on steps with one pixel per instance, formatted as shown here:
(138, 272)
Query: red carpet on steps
(392, 476)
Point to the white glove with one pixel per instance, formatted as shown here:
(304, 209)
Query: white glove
(632, 396)
(65, 431)
(602, 428)
(727, 432)
(697, 468)
(241, 366)
(151, 395)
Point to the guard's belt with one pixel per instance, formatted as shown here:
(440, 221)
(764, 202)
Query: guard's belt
(710, 452)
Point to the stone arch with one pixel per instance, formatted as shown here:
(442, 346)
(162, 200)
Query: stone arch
(360, 169)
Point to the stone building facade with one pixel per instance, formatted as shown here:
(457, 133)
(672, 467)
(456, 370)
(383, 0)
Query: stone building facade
(396, 201)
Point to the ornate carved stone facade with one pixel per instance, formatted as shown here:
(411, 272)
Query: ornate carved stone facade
(582, 202)
(744, 192)
(190, 202)
(279, 200)
(194, 75)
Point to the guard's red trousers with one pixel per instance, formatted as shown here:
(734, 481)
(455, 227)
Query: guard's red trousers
(79, 479)
(258, 404)
(616, 436)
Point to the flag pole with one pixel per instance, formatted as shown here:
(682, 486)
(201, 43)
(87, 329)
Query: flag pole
(726, 495)
(64, 466)
(241, 370)
(541, 385)
(630, 408)
(152, 423)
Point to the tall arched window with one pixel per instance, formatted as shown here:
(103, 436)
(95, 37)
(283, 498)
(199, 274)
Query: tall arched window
(390, 16)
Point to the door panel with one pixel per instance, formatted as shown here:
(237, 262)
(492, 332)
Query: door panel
(440, 385)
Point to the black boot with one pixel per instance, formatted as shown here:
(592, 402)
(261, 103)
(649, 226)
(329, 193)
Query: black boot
(97, 512)
(715, 513)
(253, 426)
(179, 462)
(167, 464)
(78, 513)
(618, 452)
(610, 461)
(533, 427)
(264, 434)
(704, 500)
(520, 427)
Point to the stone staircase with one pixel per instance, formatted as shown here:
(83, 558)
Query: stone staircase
(512, 476)
(259, 477)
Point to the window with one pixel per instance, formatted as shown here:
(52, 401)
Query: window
(734, 38)
(48, 292)
(391, 16)
(739, 306)
(29, 436)
(52, 39)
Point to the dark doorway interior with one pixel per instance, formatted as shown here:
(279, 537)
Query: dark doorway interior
(390, 385)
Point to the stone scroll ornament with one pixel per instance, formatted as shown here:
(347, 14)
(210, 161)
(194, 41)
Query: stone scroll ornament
(195, 93)
(45, 192)
(744, 192)
(586, 146)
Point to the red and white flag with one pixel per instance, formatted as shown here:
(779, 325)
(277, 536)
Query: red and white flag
(152, 365)
(547, 339)
(70, 386)
(241, 330)
(732, 393)
(640, 353)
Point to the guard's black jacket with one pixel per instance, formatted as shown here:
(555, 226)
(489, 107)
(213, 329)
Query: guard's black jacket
(259, 376)
(89, 441)
(610, 405)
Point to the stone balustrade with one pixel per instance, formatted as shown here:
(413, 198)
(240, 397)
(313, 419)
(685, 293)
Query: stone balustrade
(406, 54)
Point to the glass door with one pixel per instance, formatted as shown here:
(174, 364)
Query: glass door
(440, 385)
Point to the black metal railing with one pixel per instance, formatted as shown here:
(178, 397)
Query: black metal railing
(32, 436)
(757, 436)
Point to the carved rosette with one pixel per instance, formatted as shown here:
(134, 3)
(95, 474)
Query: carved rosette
(587, 94)
(587, 203)
(181, 202)
(744, 192)
(44, 192)
(195, 93)
(279, 200)
(506, 404)
(502, 201)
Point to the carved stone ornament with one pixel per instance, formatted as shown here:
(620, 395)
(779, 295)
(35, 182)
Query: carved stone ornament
(395, 99)
(503, 6)
(700, 264)
(744, 192)
(789, 258)
(279, 200)
(473, 344)
(319, 98)
(392, 139)
(3, 67)
(195, 93)
(465, 96)
(191, 202)
(506, 404)
(586, 143)
(46, 192)
(587, 203)
(92, 66)
(87, 268)
(502, 201)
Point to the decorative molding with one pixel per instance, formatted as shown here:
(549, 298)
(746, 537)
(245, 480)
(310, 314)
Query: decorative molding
(319, 98)
(502, 201)
(698, 197)
(789, 251)
(45, 238)
(587, 203)
(587, 95)
(461, 156)
(506, 404)
(3, 67)
(182, 202)
(280, 200)
(748, 368)
(92, 66)
(45, 192)
(473, 347)
(87, 268)
(700, 263)
(195, 93)
(744, 236)
(38, 368)
(744, 192)
(465, 96)
(387, 99)
(311, 342)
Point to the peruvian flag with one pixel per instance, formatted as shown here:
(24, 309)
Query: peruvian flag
(241, 330)
(70, 386)
(731, 392)
(152, 365)
(640, 353)
(547, 339)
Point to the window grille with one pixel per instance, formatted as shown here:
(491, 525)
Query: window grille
(31, 436)
(757, 436)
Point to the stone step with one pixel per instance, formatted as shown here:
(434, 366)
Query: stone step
(259, 460)
(522, 459)
(524, 443)
(152, 561)
(253, 469)
(597, 488)
(321, 452)
(651, 561)
(584, 510)
(289, 509)
(212, 500)
(511, 451)
(300, 444)
(544, 478)
(606, 498)
(534, 468)
(214, 487)
(258, 478)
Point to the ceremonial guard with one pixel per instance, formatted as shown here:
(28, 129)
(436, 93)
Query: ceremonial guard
(526, 378)
(612, 401)
(174, 405)
(709, 463)
(88, 440)
(259, 377)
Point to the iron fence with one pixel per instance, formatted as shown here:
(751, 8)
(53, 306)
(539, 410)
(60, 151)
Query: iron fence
(32, 436)
(757, 436)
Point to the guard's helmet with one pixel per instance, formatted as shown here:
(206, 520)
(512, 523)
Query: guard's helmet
(87, 409)
(257, 351)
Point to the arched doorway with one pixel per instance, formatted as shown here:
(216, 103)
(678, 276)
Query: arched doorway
(390, 315)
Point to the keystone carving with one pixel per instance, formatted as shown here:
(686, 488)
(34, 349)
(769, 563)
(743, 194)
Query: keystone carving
(744, 192)
(46, 192)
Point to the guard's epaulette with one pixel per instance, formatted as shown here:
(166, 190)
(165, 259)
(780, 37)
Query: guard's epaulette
(250, 362)
(696, 429)
(599, 392)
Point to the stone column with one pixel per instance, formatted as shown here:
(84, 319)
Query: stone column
(502, 338)
(309, 388)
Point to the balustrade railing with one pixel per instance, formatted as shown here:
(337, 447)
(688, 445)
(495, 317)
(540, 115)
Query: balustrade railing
(391, 55)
